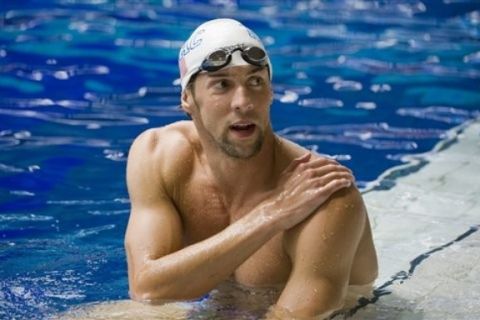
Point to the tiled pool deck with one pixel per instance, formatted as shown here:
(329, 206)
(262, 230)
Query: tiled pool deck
(424, 272)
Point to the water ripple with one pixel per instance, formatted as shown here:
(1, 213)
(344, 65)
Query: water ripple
(287, 97)
(44, 102)
(91, 120)
(370, 136)
(347, 86)
(366, 105)
(383, 87)
(73, 66)
(320, 103)
(472, 57)
(418, 68)
(440, 113)
(87, 202)
(8, 168)
(24, 217)
(108, 212)
(32, 293)
(59, 72)
(340, 84)
(20, 138)
(115, 155)
(93, 231)
(22, 193)
(298, 89)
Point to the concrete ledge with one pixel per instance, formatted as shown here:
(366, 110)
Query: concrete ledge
(414, 225)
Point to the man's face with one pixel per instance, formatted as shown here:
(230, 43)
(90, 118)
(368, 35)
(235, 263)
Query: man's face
(231, 106)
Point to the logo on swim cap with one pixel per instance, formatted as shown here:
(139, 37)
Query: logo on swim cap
(210, 36)
(193, 42)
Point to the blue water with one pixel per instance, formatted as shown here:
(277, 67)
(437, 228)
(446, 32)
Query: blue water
(366, 82)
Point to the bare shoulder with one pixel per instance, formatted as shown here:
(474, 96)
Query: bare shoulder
(347, 201)
(176, 139)
(343, 214)
(344, 210)
(289, 150)
(161, 154)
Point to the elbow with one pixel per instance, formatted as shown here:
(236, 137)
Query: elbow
(143, 295)
(148, 296)
(155, 297)
(144, 289)
(140, 290)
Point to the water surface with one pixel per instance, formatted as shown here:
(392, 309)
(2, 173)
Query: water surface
(366, 82)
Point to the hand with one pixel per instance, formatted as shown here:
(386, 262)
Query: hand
(303, 186)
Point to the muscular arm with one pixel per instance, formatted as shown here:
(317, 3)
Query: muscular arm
(322, 249)
(160, 268)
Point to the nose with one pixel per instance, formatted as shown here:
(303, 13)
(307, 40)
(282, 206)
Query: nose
(241, 100)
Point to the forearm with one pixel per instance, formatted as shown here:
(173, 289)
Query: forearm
(196, 269)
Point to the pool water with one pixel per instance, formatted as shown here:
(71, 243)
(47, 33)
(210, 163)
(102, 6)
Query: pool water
(366, 82)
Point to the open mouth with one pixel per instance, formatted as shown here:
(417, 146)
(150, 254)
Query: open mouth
(243, 129)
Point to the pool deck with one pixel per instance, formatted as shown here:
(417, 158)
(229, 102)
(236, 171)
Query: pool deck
(425, 216)
(425, 228)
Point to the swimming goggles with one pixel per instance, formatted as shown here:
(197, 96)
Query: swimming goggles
(222, 57)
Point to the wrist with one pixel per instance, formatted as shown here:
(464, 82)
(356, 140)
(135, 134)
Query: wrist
(267, 215)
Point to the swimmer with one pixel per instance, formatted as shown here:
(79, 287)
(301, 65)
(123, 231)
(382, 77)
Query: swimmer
(221, 196)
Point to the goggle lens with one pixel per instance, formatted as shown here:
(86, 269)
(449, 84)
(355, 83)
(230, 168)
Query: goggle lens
(254, 54)
(220, 58)
(217, 58)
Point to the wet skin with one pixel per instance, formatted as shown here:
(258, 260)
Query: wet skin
(223, 196)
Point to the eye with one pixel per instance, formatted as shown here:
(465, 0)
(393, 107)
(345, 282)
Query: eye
(221, 84)
(255, 81)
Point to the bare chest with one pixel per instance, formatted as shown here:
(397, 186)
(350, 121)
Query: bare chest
(205, 214)
(202, 210)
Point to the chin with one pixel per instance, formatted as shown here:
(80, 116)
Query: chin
(242, 152)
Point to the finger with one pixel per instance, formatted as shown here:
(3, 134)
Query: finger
(324, 170)
(295, 162)
(333, 186)
(318, 162)
(331, 176)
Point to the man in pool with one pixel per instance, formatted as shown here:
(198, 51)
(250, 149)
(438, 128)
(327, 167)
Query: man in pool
(222, 196)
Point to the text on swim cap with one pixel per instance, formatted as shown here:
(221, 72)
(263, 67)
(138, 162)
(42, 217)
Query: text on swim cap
(191, 43)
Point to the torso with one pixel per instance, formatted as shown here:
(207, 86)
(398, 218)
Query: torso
(203, 213)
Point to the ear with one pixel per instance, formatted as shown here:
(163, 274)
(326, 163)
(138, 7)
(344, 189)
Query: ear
(187, 101)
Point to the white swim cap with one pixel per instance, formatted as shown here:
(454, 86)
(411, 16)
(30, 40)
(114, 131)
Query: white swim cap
(213, 35)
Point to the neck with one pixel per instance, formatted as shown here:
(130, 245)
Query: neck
(241, 179)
